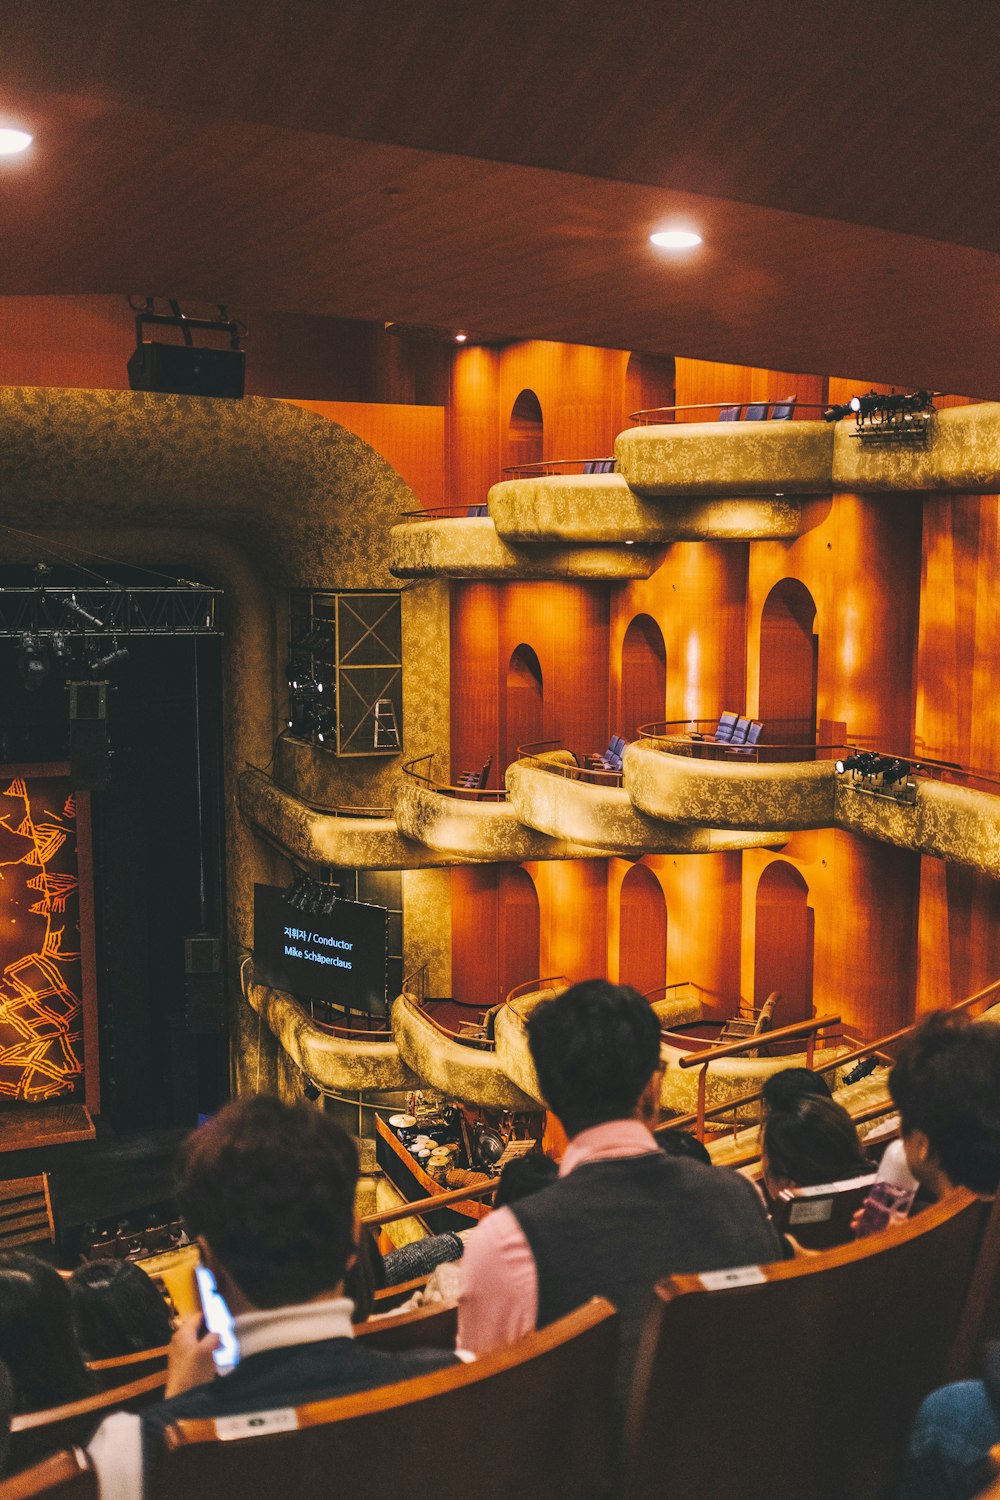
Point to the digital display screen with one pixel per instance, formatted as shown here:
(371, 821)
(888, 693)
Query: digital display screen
(338, 958)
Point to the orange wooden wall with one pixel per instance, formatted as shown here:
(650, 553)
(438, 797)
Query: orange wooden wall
(411, 438)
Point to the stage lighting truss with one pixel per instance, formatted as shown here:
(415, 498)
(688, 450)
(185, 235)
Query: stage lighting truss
(73, 612)
(878, 775)
(894, 418)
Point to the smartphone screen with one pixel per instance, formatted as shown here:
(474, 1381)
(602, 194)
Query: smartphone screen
(218, 1319)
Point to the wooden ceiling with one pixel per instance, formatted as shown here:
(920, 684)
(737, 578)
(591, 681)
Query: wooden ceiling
(499, 166)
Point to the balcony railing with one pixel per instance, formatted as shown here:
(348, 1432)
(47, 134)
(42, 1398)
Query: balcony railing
(445, 789)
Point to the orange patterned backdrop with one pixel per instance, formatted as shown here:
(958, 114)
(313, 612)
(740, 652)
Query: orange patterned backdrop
(41, 1012)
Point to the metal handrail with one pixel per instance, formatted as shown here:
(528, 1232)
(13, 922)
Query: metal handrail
(553, 463)
(642, 416)
(659, 991)
(441, 513)
(574, 772)
(547, 981)
(702, 1060)
(445, 789)
(476, 1043)
(876, 1048)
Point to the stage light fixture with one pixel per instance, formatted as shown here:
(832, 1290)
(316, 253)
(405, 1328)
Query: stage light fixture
(61, 649)
(33, 662)
(110, 659)
(84, 615)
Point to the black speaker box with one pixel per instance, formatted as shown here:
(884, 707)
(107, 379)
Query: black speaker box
(89, 755)
(204, 989)
(187, 371)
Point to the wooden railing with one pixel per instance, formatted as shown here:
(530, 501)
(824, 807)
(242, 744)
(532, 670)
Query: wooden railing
(858, 1054)
(650, 414)
(805, 1029)
(428, 1205)
(439, 513)
(445, 789)
(546, 982)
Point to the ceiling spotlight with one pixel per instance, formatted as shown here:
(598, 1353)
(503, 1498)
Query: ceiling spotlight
(675, 239)
(460, 338)
(33, 661)
(13, 141)
(83, 615)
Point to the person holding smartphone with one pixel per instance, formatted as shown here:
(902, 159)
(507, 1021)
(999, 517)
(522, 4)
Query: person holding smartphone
(267, 1190)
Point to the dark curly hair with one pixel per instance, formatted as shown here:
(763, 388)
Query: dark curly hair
(946, 1083)
(117, 1309)
(595, 1048)
(270, 1186)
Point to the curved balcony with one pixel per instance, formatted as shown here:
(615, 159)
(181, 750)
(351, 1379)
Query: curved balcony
(961, 453)
(457, 1069)
(559, 509)
(669, 776)
(472, 825)
(451, 546)
(337, 1059)
(701, 1075)
(956, 821)
(350, 838)
(688, 459)
(551, 792)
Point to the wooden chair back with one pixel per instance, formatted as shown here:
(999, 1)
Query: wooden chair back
(123, 1368)
(532, 1420)
(839, 1350)
(62, 1476)
(25, 1212)
(820, 1217)
(35, 1434)
(391, 1296)
(431, 1327)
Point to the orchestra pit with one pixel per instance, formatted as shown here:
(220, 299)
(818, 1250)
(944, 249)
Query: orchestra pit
(499, 758)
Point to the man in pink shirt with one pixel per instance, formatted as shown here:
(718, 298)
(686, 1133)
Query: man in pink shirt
(622, 1213)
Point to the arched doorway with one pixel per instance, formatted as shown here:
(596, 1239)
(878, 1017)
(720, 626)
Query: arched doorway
(524, 430)
(649, 382)
(642, 930)
(644, 676)
(518, 930)
(789, 653)
(524, 702)
(783, 944)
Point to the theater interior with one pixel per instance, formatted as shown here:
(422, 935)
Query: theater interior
(540, 607)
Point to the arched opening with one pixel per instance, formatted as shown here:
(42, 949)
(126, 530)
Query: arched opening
(644, 676)
(783, 945)
(524, 702)
(524, 430)
(518, 939)
(649, 382)
(642, 930)
(789, 652)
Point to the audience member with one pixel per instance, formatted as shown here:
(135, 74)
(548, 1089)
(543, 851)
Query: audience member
(789, 1086)
(117, 1310)
(37, 1340)
(267, 1189)
(946, 1086)
(622, 1213)
(365, 1276)
(683, 1143)
(522, 1177)
(810, 1141)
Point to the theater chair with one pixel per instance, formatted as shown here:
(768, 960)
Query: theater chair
(820, 1217)
(532, 1420)
(35, 1434)
(434, 1326)
(839, 1349)
(63, 1476)
(755, 412)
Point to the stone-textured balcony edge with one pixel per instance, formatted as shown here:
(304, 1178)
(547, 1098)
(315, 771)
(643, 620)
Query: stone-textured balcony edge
(341, 1064)
(469, 547)
(454, 1069)
(957, 823)
(476, 831)
(605, 818)
(600, 508)
(731, 794)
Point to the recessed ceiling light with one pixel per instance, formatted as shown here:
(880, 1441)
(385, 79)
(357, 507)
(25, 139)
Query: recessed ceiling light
(13, 141)
(460, 338)
(675, 239)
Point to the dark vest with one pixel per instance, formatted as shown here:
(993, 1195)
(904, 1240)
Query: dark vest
(291, 1376)
(614, 1228)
